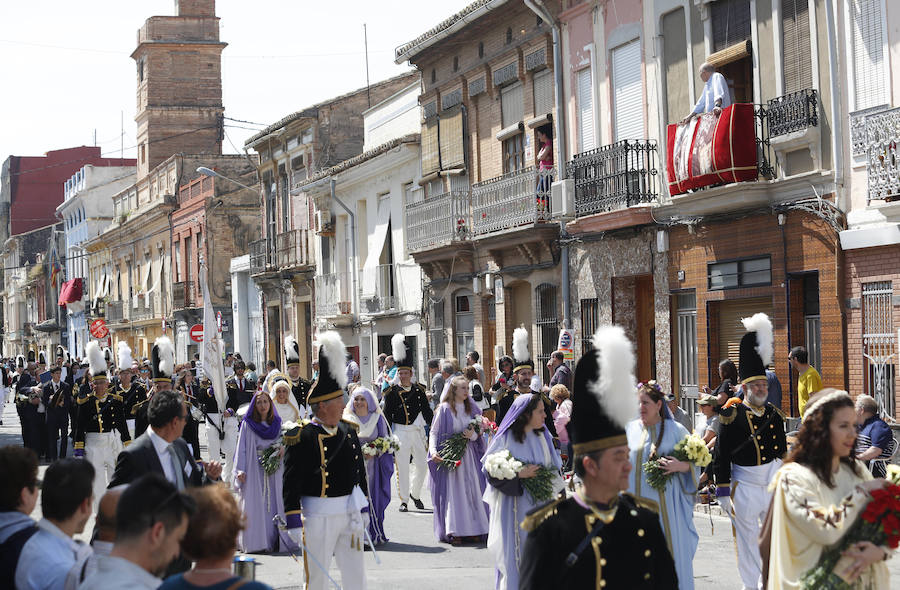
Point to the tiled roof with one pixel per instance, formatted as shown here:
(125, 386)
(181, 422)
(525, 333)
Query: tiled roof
(313, 110)
(363, 157)
(425, 39)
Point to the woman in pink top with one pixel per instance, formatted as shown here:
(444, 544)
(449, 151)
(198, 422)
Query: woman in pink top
(544, 135)
(559, 393)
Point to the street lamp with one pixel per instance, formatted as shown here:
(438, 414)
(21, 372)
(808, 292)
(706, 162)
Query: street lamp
(210, 172)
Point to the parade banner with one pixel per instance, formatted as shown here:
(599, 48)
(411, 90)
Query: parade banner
(711, 149)
(212, 350)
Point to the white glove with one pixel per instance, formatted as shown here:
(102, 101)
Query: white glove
(296, 535)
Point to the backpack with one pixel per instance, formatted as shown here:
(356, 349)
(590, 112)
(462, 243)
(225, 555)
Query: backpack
(10, 550)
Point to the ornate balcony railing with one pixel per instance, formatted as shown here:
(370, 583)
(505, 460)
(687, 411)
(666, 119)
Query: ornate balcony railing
(512, 200)
(858, 139)
(184, 295)
(765, 159)
(615, 176)
(292, 249)
(334, 294)
(262, 256)
(144, 307)
(793, 112)
(882, 155)
(378, 289)
(115, 311)
(438, 221)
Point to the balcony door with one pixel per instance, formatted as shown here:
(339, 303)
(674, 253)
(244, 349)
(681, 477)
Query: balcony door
(464, 324)
(628, 96)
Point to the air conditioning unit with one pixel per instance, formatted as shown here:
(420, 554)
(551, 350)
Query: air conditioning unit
(562, 199)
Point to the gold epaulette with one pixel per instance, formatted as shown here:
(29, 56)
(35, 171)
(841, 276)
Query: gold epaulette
(538, 516)
(643, 503)
(292, 436)
(728, 418)
(353, 424)
(778, 410)
(79, 446)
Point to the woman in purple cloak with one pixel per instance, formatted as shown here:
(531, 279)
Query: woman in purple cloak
(364, 411)
(260, 494)
(460, 514)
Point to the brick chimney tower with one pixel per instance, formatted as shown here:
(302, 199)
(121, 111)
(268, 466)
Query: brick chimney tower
(179, 84)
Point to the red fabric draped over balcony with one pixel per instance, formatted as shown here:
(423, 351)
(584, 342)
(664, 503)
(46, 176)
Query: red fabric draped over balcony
(70, 291)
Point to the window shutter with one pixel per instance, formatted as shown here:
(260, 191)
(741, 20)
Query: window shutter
(868, 53)
(512, 105)
(796, 46)
(730, 23)
(586, 137)
(543, 92)
(627, 91)
(451, 133)
(430, 149)
(731, 330)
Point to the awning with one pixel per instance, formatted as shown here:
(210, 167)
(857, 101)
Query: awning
(71, 291)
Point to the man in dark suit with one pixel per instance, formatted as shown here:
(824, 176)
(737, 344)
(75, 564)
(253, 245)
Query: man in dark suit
(162, 450)
(57, 398)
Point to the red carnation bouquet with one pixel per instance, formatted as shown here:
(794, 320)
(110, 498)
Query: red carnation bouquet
(454, 447)
(879, 523)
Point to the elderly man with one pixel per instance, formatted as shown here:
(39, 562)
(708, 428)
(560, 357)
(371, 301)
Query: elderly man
(751, 443)
(874, 439)
(715, 96)
(325, 476)
(599, 537)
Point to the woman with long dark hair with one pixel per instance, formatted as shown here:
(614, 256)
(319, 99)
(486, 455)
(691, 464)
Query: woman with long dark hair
(260, 493)
(818, 494)
(654, 436)
(523, 434)
(459, 512)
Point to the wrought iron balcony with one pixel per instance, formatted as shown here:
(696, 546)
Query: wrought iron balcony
(144, 307)
(858, 129)
(378, 289)
(184, 295)
(615, 176)
(115, 311)
(513, 200)
(793, 112)
(262, 256)
(334, 294)
(292, 249)
(438, 221)
(882, 155)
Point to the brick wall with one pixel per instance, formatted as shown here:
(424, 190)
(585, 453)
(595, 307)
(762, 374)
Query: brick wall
(863, 266)
(811, 246)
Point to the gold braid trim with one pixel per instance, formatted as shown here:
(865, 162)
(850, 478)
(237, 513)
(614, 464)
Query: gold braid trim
(537, 517)
(729, 417)
(292, 436)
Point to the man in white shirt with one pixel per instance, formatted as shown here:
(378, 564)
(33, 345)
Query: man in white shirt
(151, 520)
(66, 505)
(715, 96)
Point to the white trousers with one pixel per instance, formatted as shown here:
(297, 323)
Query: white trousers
(102, 449)
(750, 500)
(412, 442)
(336, 535)
(130, 423)
(228, 445)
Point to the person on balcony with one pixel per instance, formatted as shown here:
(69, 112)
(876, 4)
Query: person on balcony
(544, 136)
(715, 96)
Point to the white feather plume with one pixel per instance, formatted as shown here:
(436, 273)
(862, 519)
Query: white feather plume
(166, 355)
(124, 356)
(398, 347)
(290, 349)
(332, 348)
(96, 361)
(520, 344)
(615, 389)
(762, 325)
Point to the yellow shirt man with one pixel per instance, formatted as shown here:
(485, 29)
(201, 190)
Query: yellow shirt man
(810, 382)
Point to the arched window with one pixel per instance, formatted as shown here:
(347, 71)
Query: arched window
(547, 324)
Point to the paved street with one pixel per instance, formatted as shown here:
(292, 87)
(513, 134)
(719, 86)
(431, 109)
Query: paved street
(413, 561)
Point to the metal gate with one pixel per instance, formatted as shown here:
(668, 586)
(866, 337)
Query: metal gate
(686, 342)
(879, 348)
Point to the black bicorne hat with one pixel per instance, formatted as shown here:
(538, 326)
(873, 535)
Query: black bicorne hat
(604, 397)
(521, 354)
(756, 348)
(402, 352)
(162, 360)
(332, 369)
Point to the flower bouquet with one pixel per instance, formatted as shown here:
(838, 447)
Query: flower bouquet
(502, 465)
(451, 452)
(381, 445)
(691, 449)
(879, 524)
(270, 457)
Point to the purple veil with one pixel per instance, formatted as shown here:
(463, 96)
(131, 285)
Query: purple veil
(515, 410)
(262, 430)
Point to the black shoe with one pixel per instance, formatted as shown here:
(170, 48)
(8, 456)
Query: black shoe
(403, 507)
(418, 503)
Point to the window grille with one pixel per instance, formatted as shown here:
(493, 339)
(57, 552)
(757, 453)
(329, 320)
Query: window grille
(436, 329)
(547, 324)
(879, 348)
(589, 313)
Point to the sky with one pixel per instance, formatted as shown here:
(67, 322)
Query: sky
(67, 74)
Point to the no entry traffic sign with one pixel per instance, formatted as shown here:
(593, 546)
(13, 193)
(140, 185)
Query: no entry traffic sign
(197, 332)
